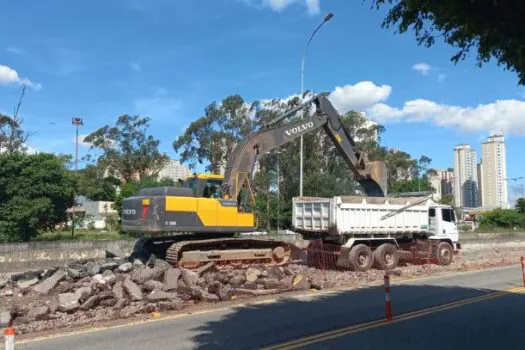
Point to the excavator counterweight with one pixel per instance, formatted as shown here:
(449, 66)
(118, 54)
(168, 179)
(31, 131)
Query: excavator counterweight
(203, 216)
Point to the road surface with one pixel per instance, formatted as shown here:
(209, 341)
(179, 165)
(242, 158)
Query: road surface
(468, 313)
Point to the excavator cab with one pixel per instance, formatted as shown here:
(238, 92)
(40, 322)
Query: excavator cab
(205, 185)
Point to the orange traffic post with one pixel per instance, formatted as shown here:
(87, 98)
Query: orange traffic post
(9, 335)
(523, 269)
(388, 303)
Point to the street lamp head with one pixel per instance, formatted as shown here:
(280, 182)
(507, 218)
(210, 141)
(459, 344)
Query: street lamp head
(328, 16)
(77, 121)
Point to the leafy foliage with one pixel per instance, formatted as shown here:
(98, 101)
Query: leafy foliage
(502, 218)
(492, 27)
(212, 137)
(12, 136)
(447, 199)
(35, 191)
(520, 205)
(94, 185)
(127, 150)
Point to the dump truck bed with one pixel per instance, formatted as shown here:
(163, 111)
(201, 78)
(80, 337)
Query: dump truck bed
(361, 216)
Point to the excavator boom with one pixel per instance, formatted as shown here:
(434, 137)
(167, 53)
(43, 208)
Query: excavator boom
(370, 175)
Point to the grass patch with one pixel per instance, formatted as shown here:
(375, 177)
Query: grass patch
(81, 235)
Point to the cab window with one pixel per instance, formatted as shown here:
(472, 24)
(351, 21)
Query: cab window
(192, 183)
(212, 189)
(448, 215)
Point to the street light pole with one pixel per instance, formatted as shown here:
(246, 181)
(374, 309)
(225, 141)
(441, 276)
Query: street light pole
(278, 195)
(326, 19)
(77, 121)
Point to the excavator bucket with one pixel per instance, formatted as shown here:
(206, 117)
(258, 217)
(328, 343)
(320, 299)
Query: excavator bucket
(376, 184)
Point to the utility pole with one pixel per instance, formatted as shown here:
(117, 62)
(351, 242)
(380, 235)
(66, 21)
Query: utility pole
(278, 195)
(77, 121)
(326, 19)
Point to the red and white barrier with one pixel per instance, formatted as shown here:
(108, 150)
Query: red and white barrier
(388, 303)
(9, 335)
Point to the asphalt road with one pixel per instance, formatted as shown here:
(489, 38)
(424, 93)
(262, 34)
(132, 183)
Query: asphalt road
(494, 323)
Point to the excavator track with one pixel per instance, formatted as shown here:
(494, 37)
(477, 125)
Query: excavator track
(238, 252)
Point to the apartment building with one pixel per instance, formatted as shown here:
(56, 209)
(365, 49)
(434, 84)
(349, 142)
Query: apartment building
(494, 173)
(466, 189)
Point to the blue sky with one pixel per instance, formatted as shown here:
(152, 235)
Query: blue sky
(168, 59)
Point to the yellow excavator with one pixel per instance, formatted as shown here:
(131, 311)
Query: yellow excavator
(198, 223)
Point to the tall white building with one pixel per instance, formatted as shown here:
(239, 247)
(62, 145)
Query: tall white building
(442, 182)
(466, 189)
(175, 170)
(494, 172)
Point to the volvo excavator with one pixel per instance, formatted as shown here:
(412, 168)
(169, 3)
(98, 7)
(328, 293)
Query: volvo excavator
(199, 222)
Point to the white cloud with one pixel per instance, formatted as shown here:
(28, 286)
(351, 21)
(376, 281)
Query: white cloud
(358, 96)
(500, 116)
(313, 6)
(135, 66)
(9, 76)
(423, 68)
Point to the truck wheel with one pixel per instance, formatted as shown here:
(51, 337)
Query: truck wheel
(386, 257)
(444, 253)
(360, 258)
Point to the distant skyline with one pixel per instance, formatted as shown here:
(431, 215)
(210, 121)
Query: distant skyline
(168, 60)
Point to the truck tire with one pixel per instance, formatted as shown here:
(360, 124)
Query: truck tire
(386, 257)
(360, 258)
(444, 253)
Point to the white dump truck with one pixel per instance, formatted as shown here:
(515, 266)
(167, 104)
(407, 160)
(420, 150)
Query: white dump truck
(379, 231)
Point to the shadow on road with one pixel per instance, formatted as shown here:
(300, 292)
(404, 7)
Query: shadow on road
(258, 325)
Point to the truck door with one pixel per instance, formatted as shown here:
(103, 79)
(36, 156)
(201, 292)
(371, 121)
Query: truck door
(432, 221)
(449, 225)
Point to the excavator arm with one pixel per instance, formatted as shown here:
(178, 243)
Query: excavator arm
(370, 175)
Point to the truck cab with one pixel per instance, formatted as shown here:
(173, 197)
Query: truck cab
(443, 224)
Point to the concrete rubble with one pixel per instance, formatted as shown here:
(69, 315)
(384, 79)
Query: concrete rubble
(114, 288)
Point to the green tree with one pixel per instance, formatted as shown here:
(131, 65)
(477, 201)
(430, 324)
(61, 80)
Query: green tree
(447, 199)
(520, 205)
(502, 218)
(12, 136)
(411, 185)
(35, 192)
(126, 148)
(94, 185)
(492, 27)
(211, 138)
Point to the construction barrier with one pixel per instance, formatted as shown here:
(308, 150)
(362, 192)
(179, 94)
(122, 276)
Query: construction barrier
(9, 335)
(523, 269)
(388, 303)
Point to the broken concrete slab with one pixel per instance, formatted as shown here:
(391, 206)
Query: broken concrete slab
(171, 278)
(23, 284)
(114, 251)
(133, 290)
(68, 302)
(37, 313)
